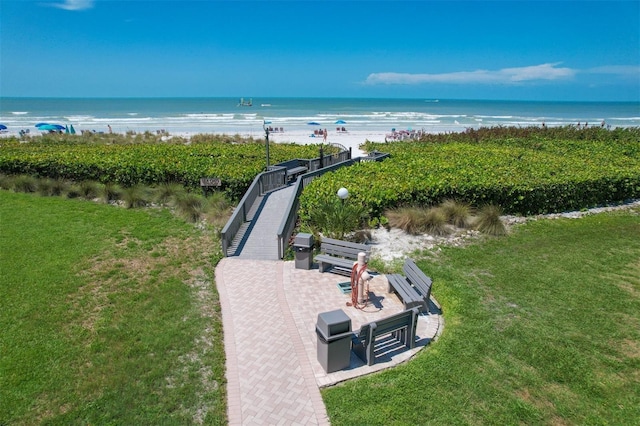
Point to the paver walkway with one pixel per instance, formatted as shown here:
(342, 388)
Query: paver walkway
(269, 311)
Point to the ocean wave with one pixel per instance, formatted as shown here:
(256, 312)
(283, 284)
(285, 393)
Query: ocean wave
(19, 112)
(123, 120)
(79, 117)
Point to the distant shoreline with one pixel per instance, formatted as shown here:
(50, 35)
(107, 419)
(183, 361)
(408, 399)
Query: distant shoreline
(362, 118)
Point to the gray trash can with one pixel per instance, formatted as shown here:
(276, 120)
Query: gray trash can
(333, 330)
(303, 246)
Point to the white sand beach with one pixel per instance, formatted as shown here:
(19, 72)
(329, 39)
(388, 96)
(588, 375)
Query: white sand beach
(348, 139)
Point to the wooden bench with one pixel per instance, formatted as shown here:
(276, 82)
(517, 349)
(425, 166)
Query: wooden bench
(414, 288)
(295, 171)
(340, 254)
(402, 326)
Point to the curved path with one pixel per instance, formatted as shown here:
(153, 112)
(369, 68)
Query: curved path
(269, 311)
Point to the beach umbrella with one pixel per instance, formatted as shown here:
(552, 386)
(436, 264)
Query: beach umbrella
(41, 124)
(313, 123)
(341, 122)
(3, 127)
(47, 127)
(66, 129)
(72, 130)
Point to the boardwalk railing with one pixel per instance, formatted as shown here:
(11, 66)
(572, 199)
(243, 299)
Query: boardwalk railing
(291, 213)
(272, 179)
(264, 182)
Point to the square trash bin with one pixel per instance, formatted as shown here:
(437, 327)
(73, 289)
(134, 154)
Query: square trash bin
(303, 247)
(333, 330)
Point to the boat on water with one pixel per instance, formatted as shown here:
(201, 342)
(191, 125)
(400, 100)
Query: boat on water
(245, 103)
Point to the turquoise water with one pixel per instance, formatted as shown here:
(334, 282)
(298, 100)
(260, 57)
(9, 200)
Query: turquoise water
(224, 115)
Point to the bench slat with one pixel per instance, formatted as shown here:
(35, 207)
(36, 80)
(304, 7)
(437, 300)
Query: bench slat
(405, 323)
(419, 280)
(407, 294)
(340, 253)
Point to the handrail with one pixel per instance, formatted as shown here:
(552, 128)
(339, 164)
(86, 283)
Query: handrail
(262, 183)
(288, 222)
(275, 178)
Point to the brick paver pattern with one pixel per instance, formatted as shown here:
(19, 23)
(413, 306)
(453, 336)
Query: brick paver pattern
(269, 311)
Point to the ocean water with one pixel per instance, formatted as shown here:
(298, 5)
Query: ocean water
(225, 115)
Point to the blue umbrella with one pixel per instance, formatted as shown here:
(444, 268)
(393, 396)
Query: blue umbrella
(3, 127)
(54, 127)
(341, 122)
(72, 130)
(313, 123)
(41, 124)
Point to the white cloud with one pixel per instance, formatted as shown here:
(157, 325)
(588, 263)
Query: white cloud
(619, 70)
(549, 71)
(75, 4)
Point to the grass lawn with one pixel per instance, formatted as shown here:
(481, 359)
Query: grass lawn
(542, 327)
(110, 316)
(107, 316)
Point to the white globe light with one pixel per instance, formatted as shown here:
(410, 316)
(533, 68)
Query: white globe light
(343, 193)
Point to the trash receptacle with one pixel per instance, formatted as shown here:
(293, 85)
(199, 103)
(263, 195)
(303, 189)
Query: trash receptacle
(333, 329)
(303, 246)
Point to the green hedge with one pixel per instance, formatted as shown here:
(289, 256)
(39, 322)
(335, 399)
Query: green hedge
(525, 171)
(236, 164)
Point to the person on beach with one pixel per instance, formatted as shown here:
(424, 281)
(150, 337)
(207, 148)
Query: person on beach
(109, 126)
(324, 136)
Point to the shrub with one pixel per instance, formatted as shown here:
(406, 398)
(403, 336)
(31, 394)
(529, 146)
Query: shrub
(89, 189)
(25, 183)
(337, 218)
(409, 219)
(135, 196)
(218, 201)
(489, 222)
(167, 192)
(74, 191)
(434, 221)
(457, 213)
(190, 206)
(44, 187)
(58, 187)
(6, 182)
(111, 192)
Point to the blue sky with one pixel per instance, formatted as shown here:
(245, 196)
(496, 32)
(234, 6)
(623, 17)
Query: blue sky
(515, 50)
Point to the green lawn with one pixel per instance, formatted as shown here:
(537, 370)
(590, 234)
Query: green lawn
(106, 316)
(542, 327)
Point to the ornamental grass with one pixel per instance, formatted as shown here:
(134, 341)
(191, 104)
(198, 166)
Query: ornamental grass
(488, 220)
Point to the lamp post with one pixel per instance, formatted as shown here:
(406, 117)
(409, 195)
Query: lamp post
(266, 135)
(343, 194)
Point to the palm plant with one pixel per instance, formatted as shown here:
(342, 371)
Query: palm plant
(337, 218)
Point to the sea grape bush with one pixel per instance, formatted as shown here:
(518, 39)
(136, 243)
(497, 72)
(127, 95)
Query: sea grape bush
(525, 171)
(129, 164)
